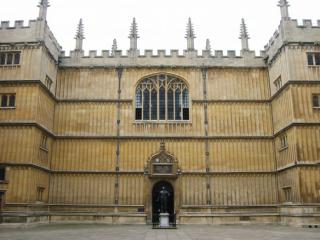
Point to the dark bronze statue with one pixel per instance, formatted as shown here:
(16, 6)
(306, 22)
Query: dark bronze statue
(164, 199)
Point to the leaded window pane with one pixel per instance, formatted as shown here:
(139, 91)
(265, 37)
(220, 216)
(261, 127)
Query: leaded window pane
(4, 100)
(12, 100)
(138, 104)
(186, 114)
(170, 105)
(316, 100)
(317, 58)
(138, 113)
(178, 104)
(2, 58)
(310, 58)
(138, 99)
(146, 105)
(154, 105)
(162, 103)
(162, 97)
(17, 58)
(9, 58)
(185, 98)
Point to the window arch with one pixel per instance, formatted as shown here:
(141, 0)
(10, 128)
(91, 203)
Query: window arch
(162, 97)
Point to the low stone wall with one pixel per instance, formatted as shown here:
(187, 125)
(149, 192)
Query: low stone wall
(294, 215)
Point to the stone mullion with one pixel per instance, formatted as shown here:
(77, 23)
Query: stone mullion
(119, 71)
(205, 100)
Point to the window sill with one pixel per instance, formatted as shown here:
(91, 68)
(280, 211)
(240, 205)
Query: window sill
(283, 149)
(44, 149)
(314, 66)
(316, 108)
(11, 65)
(4, 182)
(162, 122)
(7, 108)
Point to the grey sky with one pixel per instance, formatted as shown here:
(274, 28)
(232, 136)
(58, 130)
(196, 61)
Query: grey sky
(161, 23)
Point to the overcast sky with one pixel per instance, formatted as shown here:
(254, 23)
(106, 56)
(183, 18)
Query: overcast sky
(161, 23)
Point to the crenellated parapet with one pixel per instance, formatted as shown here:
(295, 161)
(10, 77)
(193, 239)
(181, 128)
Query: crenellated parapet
(161, 59)
(291, 32)
(18, 32)
(36, 31)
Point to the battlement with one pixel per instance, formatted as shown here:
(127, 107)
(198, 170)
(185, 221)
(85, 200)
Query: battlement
(18, 32)
(290, 31)
(161, 58)
(17, 24)
(35, 31)
(174, 53)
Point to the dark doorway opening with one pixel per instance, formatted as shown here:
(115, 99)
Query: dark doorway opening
(156, 202)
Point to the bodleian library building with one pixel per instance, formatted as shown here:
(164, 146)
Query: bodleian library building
(232, 138)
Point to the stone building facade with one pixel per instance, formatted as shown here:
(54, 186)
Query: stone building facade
(93, 138)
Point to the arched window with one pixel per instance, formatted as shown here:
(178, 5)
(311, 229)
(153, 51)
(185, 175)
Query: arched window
(162, 97)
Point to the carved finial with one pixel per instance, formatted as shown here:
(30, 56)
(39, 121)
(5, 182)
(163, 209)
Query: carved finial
(190, 32)
(208, 46)
(284, 8)
(43, 5)
(162, 146)
(134, 29)
(190, 35)
(80, 32)
(134, 35)
(114, 47)
(79, 36)
(243, 30)
(244, 36)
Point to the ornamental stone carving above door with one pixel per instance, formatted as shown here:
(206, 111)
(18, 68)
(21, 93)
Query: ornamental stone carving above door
(162, 164)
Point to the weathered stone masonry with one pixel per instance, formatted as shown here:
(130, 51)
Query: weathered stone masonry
(72, 149)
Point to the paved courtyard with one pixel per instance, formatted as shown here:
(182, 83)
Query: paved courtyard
(108, 232)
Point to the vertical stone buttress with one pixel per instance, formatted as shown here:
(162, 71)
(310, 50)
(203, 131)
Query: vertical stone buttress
(284, 9)
(43, 8)
(42, 19)
(114, 47)
(208, 47)
(119, 71)
(204, 71)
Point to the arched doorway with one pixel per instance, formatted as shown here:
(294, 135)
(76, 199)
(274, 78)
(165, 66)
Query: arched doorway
(156, 201)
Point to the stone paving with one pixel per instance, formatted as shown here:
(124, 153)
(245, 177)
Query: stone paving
(129, 232)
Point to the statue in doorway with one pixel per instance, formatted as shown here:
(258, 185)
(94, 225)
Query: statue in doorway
(163, 198)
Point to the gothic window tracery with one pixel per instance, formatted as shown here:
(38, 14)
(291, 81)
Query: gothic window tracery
(162, 97)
